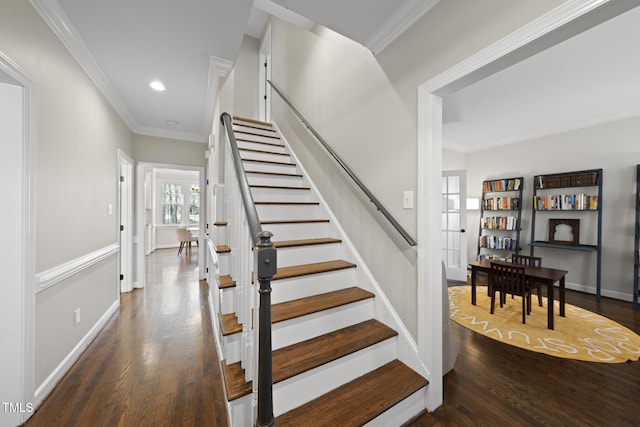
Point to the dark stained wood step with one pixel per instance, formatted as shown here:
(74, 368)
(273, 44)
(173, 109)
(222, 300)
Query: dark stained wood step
(254, 127)
(305, 242)
(274, 153)
(292, 175)
(257, 122)
(293, 221)
(229, 324)
(220, 223)
(306, 355)
(280, 187)
(303, 306)
(269, 162)
(288, 203)
(314, 268)
(223, 249)
(276, 137)
(271, 144)
(359, 401)
(226, 282)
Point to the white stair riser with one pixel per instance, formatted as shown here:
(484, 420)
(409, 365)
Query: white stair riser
(289, 181)
(241, 411)
(232, 348)
(305, 286)
(228, 300)
(241, 125)
(280, 194)
(259, 146)
(275, 212)
(248, 136)
(297, 231)
(253, 155)
(302, 388)
(316, 324)
(223, 263)
(220, 237)
(268, 167)
(309, 254)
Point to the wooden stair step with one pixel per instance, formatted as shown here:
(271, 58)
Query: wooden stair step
(226, 282)
(303, 306)
(246, 119)
(270, 162)
(274, 153)
(306, 355)
(293, 221)
(229, 324)
(271, 144)
(359, 401)
(292, 175)
(288, 203)
(305, 242)
(315, 268)
(280, 187)
(223, 249)
(254, 127)
(220, 223)
(256, 134)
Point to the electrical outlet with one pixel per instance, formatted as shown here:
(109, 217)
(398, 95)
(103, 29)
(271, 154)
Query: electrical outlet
(407, 200)
(76, 316)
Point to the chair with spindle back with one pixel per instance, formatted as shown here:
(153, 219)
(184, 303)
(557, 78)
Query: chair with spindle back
(507, 278)
(533, 261)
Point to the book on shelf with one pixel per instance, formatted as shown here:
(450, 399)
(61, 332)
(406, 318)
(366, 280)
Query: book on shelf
(498, 223)
(501, 185)
(500, 203)
(566, 202)
(498, 242)
(579, 179)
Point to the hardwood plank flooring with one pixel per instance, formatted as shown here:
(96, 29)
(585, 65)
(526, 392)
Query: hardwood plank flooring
(495, 384)
(155, 362)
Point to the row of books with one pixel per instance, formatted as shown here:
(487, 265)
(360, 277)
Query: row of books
(498, 242)
(501, 185)
(567, 180)
(566, 202)
(499, 223)
(500, 203)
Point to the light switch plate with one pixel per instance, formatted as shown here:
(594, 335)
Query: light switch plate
(407, 200)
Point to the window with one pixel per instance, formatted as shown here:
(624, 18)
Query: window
(194, 204)
(179, 203)
(172, 201)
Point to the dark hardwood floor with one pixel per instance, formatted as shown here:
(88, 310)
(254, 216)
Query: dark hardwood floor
(495, 384)
(155, 362)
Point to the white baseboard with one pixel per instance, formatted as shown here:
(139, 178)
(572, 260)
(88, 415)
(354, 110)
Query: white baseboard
(47, 386)
(603, 292)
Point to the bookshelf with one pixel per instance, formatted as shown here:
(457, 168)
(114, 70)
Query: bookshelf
(500, 215)
(560, 202)
(636, 252)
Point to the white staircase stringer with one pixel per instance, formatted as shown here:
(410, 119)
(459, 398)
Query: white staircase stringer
(384, 311)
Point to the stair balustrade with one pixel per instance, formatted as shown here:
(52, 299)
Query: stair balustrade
(252, 255)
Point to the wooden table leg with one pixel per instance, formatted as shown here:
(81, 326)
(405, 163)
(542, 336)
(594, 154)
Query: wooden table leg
(562, 297)
(550, 305)
(473, 286)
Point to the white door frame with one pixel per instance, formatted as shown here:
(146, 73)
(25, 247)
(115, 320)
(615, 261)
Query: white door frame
(264, 74)
(141, 168)
(125, 220)
(22, 256)
(459, 272)
(567, 20)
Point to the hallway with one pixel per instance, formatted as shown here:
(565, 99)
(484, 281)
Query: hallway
(155, 362)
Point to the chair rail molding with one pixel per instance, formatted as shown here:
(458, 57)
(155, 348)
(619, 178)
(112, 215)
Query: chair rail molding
(61, 272)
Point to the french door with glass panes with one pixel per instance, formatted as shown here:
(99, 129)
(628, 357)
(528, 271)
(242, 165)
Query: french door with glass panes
(454, 223)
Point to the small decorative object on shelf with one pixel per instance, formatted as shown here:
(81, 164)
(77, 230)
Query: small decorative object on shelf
(500, 213)
(569, 194)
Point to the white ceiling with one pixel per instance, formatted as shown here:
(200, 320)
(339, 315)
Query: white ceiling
(591, 78)
(124, 44)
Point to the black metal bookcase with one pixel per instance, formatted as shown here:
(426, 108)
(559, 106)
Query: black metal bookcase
(636, 252)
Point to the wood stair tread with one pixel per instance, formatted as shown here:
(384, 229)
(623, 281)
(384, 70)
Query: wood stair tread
(255, 121)
(220, 223)
(271, 144)
(314, 268)
(223, 249)
(256, 134)
(254, 127)
(274, 153)
(303, 306)
(270, 162)
(359, 401)
(229, 324)
(305, 242)
(280, 187)
(292, 175)
(226, 281)
(293, 221)
(288, 203)
(301, 357)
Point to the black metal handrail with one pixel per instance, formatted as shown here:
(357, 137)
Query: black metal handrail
(379, 206)
(266, 264)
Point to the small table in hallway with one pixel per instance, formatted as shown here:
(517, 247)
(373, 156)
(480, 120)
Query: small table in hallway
(548, 276)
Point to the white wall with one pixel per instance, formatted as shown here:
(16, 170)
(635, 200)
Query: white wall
(366, 108)
(169, 151)
(78, 136)
(614, 148)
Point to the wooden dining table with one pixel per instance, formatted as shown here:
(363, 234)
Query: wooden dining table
(545, 275)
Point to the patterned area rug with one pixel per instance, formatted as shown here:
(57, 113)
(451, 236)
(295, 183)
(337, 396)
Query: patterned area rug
(581, 335)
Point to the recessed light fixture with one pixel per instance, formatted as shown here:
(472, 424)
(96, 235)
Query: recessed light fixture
(157, 85)
(173, 122)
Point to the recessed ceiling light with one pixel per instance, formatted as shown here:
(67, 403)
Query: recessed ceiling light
(157, 85)
(173, 122)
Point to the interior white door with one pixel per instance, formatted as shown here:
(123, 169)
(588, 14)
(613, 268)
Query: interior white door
(126, 223)
(454, 224)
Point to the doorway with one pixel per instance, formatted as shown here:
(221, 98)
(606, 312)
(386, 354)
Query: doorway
(264, 88)
(125, 164)
(454, 224)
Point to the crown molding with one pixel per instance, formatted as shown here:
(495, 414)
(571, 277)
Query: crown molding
(400, 20)
(283, 13)
(54, 16)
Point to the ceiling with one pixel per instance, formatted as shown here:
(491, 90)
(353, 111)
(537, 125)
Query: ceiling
(589, 79)
(123, 45)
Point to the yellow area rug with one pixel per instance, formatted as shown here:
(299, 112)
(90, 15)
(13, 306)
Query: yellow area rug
(581, 335)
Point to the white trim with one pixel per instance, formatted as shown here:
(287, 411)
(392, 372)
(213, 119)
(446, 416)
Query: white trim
(61, 272)
(565, 21)
(397, 23)
(220, 67)
(283, 13)
(126, 254)
(52, 380)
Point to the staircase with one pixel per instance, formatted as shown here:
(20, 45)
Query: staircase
(341, 356)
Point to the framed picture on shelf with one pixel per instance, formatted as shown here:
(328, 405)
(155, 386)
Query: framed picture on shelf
(564, 231)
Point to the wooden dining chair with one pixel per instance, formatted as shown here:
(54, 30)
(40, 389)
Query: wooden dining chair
(507, 278)
(534, 261)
